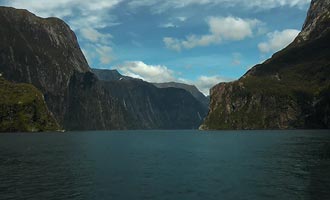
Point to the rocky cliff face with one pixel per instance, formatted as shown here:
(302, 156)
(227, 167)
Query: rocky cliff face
(23, 109)
(45, 53)
(42, 52)
(290, 90)
(93, 107)
(152, 107)
(317, 21)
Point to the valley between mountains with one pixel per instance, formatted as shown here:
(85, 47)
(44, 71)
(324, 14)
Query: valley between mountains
(46, 84)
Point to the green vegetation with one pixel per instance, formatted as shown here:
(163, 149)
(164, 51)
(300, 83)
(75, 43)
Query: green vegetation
(23, 109)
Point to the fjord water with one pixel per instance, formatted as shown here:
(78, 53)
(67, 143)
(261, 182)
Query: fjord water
(178, 165)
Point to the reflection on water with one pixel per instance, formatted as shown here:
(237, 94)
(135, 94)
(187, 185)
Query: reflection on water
(166, 165)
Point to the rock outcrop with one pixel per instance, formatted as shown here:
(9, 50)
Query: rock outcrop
(291, 90)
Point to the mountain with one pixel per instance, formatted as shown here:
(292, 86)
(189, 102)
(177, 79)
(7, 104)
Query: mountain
(46, 54)
(42, 52)
(109, 75)
(153, 107)
(190, 88)
(291, 90)
(23, 109)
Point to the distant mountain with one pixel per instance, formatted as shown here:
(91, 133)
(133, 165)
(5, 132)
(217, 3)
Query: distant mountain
(190, 88)
(290, 90)
(46, 54)
(23, 109)
(153, 107)
(109, 75)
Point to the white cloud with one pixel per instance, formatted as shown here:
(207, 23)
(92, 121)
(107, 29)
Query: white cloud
(150, 73)
(205, 83)
(182, 19)
(64, 8)
(94, 35)
(104, 54)
(278, 40)
(230, 28)
(168, 25)
(96, 46)
(220, 29)
(172, 43)
(162, 6)
(162, 74)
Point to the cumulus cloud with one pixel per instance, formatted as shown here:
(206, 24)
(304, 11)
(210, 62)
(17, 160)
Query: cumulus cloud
(162, 74)
(220, 29)
(150, 73)
(278, 40)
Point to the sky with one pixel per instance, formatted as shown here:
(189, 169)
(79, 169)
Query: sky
(200, 42)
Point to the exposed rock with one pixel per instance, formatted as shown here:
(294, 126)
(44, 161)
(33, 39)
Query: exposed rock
(92, 106)
(42, 52)
(290, 90)
(317, 21)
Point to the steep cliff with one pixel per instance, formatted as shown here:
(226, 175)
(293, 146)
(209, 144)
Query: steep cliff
(42, 52)
(45, 53)
(23, 109)
(290, 90)
(152, 107)
(93, 107)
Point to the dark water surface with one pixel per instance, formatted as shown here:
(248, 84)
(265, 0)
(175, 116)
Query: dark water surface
(175, 165)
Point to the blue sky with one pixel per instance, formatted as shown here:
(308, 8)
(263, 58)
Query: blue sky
(201, 42)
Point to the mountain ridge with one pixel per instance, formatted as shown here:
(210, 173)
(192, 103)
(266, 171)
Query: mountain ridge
(45, 53)
(274, 94)
(114, 75)
(192, 89)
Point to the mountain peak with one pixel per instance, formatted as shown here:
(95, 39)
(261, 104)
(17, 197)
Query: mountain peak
(317, 21)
